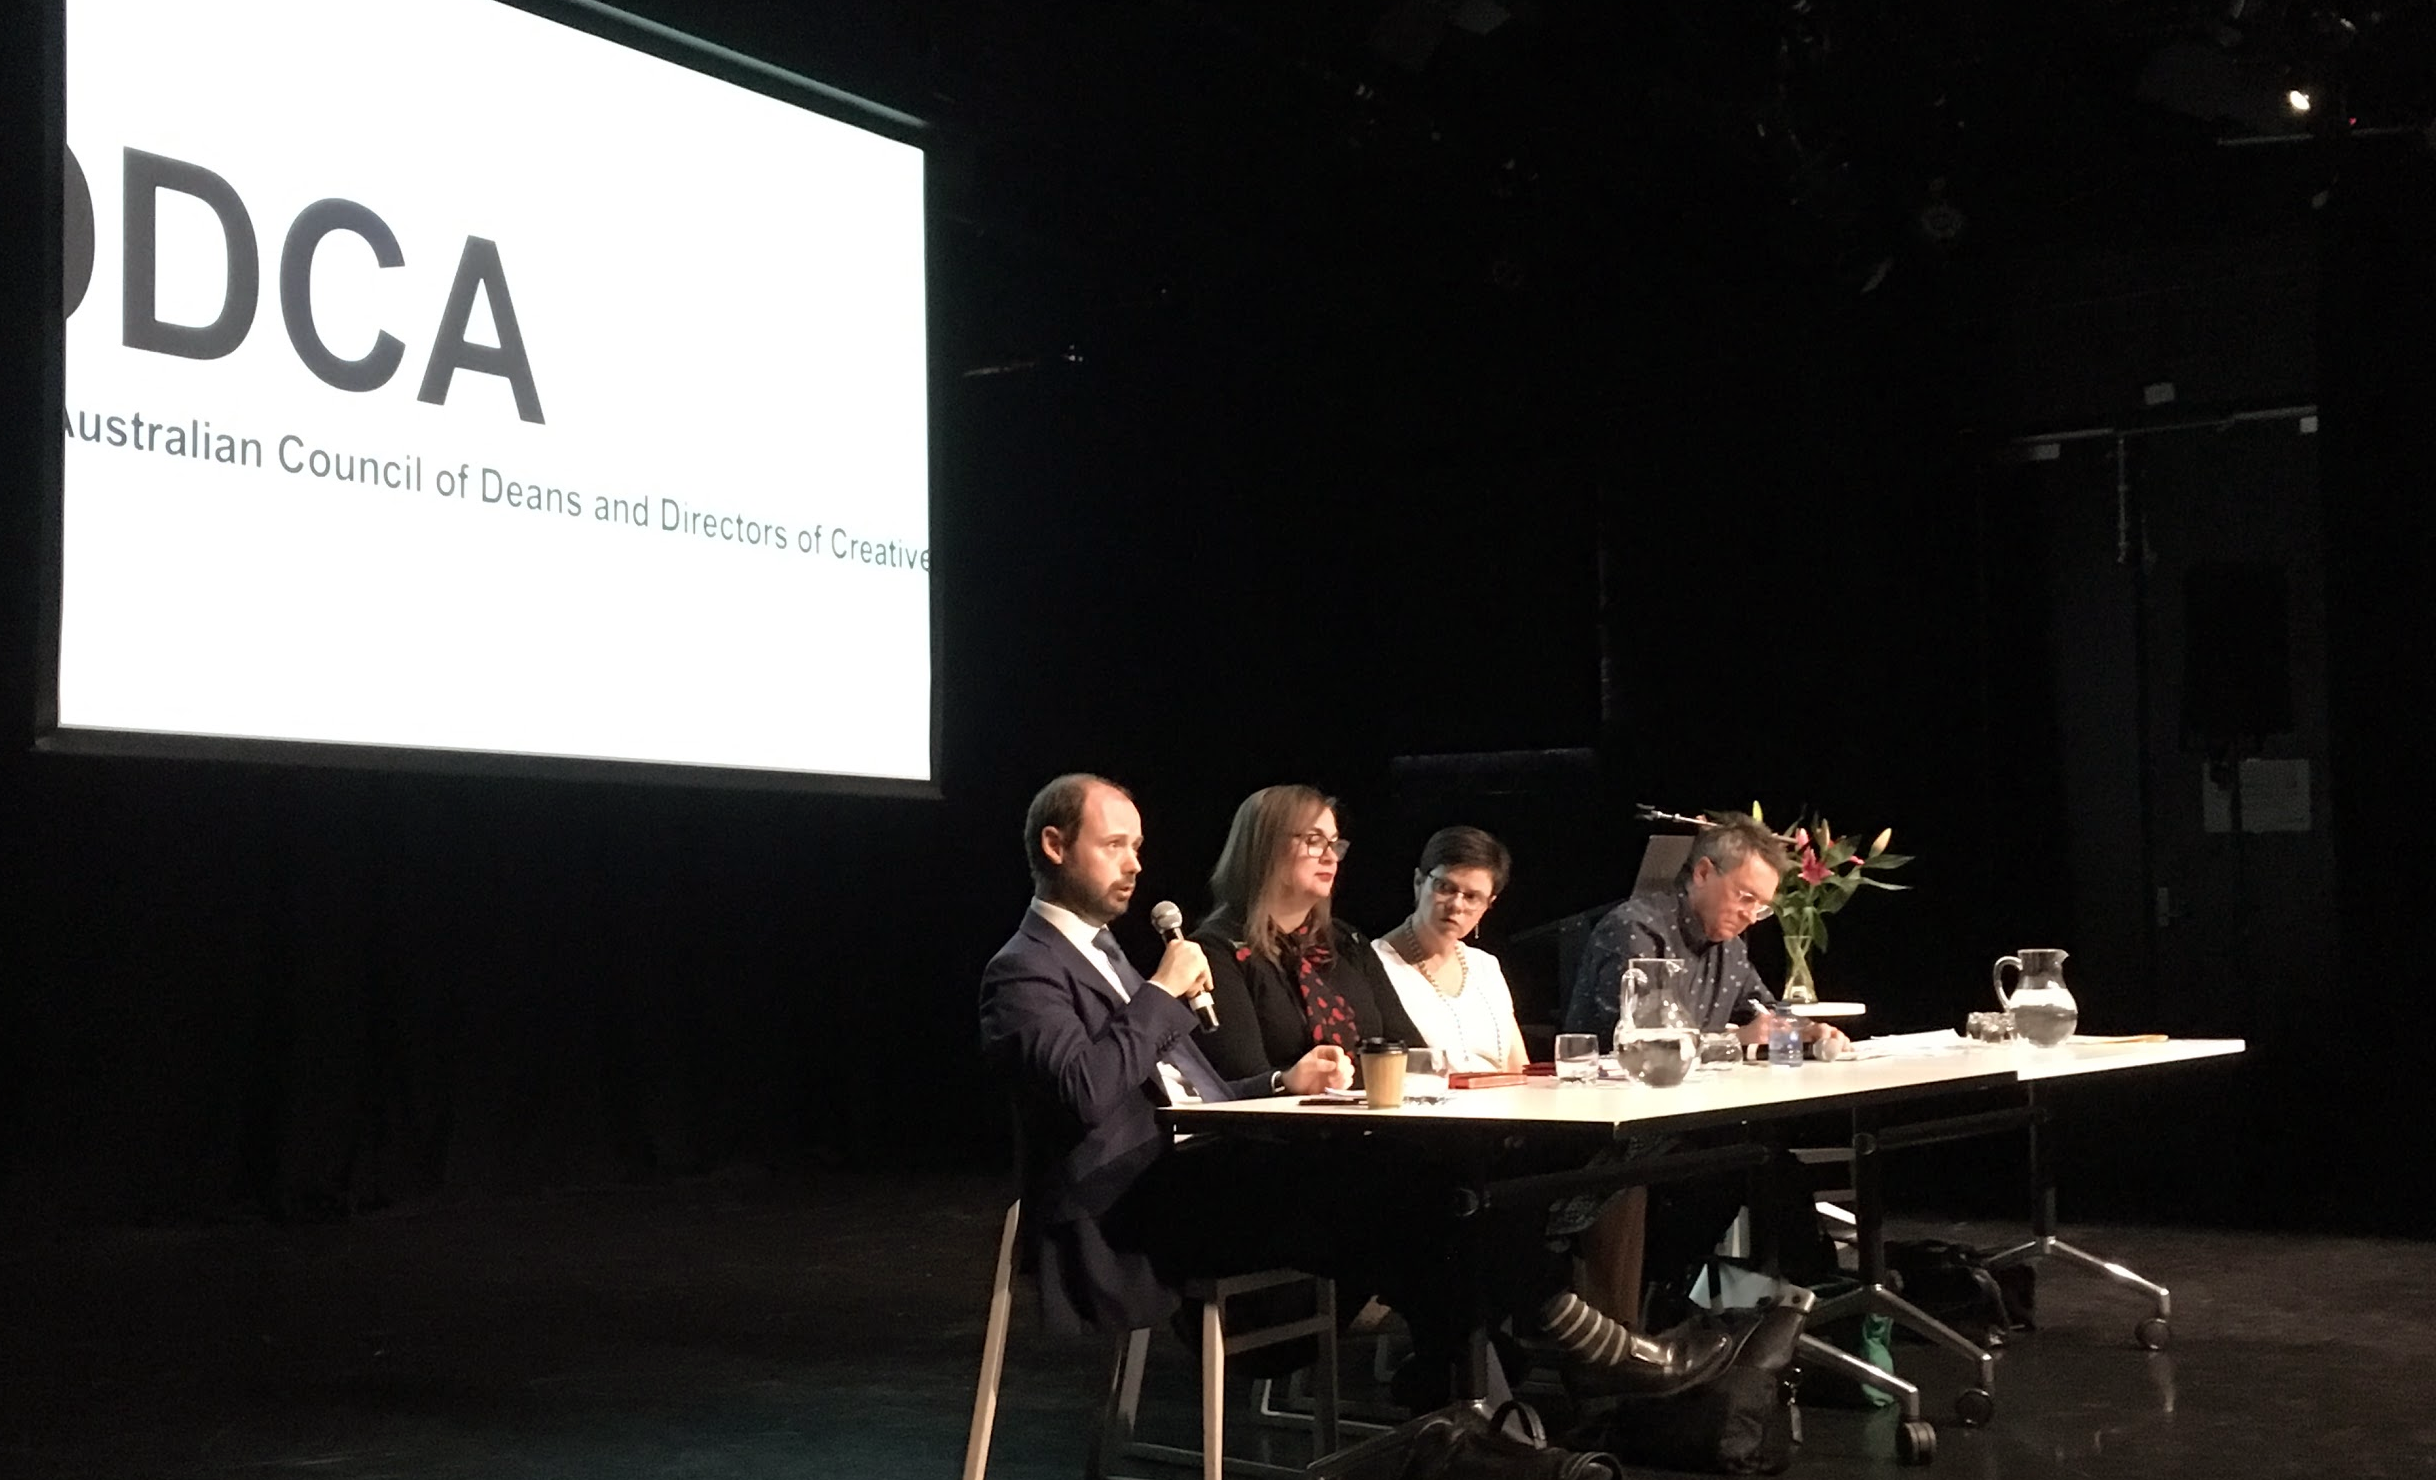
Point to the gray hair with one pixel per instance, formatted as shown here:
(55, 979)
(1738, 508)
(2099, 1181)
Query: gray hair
(1729, 845)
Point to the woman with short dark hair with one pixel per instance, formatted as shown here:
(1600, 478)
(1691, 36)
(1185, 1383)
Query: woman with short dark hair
(1285, 975)
(1456, 993)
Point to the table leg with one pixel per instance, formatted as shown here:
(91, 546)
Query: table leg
(1975, 1405)
(1471, 1264)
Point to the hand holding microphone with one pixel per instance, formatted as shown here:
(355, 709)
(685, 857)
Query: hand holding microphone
(1184, 972)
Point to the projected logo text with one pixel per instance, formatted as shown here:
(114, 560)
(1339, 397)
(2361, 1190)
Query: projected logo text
(141, 327)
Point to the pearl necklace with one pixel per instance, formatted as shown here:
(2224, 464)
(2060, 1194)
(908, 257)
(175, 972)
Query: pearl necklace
(1415, 960)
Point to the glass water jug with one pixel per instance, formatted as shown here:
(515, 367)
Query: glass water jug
(1656, 1040)
(2042, 1006)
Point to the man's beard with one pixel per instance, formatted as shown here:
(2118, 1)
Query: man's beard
(1101, 906)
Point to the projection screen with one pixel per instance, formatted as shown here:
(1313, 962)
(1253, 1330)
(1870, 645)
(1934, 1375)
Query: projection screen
(444, 382)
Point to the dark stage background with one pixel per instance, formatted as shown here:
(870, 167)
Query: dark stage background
(1322, 384)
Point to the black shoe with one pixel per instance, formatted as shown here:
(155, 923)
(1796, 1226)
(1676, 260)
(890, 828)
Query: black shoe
(1608, 1359)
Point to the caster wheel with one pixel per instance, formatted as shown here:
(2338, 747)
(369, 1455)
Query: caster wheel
(1915, 1443)
(1974, 1406)
(2153, 1333)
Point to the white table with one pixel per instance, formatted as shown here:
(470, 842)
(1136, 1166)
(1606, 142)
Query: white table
(1471, 1125)
(1749, 1093)
(2101, 1055)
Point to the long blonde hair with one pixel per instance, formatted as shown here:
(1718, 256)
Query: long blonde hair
(1252, 867)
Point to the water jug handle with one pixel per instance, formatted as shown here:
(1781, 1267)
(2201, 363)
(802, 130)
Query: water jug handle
(1996, 978)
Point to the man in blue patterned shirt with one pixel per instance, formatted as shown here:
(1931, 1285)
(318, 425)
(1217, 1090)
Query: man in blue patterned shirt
(1723, 889)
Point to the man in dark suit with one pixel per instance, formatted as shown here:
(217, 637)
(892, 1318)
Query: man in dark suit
(1092, 1050)
(1119, 1213)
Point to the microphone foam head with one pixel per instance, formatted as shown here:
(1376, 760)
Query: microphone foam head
(1165, 916)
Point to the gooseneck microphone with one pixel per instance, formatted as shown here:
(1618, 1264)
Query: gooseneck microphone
(1169, 922)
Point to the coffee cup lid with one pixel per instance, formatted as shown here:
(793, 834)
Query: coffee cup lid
(1381, 1045)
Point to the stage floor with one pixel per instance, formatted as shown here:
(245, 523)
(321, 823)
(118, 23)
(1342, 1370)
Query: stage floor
(746, 1327)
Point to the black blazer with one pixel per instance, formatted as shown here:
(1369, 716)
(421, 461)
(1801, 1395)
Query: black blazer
(1084, 1071)
(1260, 1015)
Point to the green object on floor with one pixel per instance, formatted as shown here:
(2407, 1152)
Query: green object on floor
(1870, 1337)
(1876, 1346)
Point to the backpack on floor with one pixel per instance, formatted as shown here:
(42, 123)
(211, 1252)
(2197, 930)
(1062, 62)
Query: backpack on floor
(1953, 1283)
(1459, 1443)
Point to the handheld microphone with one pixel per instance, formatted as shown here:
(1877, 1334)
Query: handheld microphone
(1169, 922)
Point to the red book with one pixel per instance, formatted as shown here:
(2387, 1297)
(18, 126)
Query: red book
(1484, 1080)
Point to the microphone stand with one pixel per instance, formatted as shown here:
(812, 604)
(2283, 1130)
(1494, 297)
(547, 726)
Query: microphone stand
(1644, 812)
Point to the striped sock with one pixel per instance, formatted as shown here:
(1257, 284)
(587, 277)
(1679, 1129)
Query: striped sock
(1584, 1333)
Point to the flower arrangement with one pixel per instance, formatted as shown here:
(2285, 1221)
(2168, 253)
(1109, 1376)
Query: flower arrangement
(1828, 872)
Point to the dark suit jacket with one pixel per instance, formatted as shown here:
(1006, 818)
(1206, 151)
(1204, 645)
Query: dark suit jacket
(1084, 1070)
(1260, 1014)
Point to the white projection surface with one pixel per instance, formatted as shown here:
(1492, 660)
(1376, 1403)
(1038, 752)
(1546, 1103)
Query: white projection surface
(491, 388)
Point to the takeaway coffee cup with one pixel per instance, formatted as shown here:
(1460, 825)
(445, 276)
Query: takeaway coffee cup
(1382, 1072)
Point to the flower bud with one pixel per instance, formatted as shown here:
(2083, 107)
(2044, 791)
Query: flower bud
(1879, 845)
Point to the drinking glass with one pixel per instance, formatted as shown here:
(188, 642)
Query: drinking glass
(1577, 1058)
(1425, 1075)
(1990, 1027)
(1721, 1050)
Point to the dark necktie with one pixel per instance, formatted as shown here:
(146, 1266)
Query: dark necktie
(1107, 943)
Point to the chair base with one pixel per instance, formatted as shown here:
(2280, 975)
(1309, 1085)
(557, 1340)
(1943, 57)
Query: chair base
(2152, 1332)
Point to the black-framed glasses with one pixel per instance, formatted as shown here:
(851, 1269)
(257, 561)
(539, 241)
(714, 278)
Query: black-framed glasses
(1314, 843)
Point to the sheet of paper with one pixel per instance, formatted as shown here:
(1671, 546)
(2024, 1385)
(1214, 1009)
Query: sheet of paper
(1910, 1045)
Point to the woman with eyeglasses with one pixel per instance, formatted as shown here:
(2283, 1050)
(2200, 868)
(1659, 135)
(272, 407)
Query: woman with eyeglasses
(1285, 974)
(1455, 993)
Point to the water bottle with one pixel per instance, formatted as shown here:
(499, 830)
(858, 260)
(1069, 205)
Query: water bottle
(1785, 1041)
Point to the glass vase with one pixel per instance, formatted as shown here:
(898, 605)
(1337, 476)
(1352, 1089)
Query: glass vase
(1799, 987)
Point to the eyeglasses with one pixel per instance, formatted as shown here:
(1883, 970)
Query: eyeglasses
(1471, 899)
(1313, 844)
